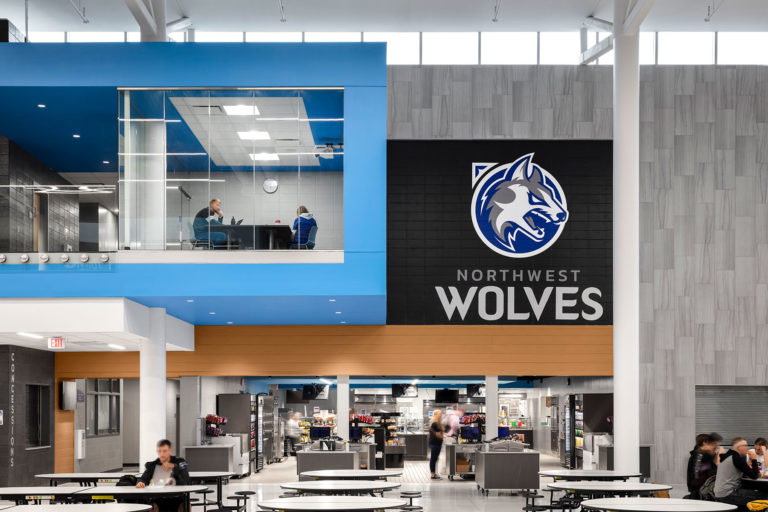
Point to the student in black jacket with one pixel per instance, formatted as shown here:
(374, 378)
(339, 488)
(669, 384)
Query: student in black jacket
(165, 470)
(702, 464)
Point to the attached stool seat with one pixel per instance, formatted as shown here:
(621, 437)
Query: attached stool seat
(410, 496)
(204, 501)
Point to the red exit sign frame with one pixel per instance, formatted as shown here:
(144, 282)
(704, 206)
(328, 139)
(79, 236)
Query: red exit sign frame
(56, 343)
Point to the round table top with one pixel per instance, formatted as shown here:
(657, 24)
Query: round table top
(84, 507)
(329, 486)
(75, 476)
(655, 505)
(589, 474)
(38, 491)
(210, 474)
(127, 489)
(608, 487)
(327, 503)
(344, 474)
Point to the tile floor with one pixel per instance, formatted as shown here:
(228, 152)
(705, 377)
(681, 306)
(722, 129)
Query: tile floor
(443, 495)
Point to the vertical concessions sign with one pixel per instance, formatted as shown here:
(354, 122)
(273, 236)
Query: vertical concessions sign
(499, 232)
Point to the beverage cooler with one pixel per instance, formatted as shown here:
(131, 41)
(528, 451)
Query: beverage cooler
(242, 413)
(591, 413)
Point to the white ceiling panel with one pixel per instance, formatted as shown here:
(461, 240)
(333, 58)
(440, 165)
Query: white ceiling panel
(390, 15)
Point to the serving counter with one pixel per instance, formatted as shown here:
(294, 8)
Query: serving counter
(311, 460)
(507, 470)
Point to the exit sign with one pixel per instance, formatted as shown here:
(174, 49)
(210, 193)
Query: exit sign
(56, 343)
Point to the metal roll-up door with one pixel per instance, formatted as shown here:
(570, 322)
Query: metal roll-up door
(732, 411)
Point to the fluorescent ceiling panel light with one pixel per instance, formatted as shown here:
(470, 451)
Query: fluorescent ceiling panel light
(254, 135)
(29, 335)
(326, 381)
(40, 105)
(115, 346)
(264, 157)
(75, 136)
(241, 110)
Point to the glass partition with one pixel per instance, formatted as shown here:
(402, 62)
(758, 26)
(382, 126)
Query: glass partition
(231, 169)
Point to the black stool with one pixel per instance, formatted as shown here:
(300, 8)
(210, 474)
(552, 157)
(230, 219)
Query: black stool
(530, 502)
(204, 501)
(410, 496)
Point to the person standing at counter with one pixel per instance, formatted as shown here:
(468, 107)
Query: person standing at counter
(292, 431)
(435, 442)
(451, 434)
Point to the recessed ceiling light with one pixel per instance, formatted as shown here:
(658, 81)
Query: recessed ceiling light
(263, 157)
(254, 135)
(75, 135)
(190, 300)
(212, 313)
(116, 347)
(326, 381)
(338, 312)
(230, 323)
(30, 335)
(105, 161)
(331, 300)
(343, 322)
(40, 105)
(241, 110)
(83, 187)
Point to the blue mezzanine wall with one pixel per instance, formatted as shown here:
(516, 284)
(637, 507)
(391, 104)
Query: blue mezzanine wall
(78, 83)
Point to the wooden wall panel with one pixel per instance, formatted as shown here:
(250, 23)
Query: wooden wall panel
(368, 350)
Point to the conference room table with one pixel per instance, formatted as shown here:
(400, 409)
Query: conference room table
(341, 487)
(655, 505)
(593, 488)
(589, 474)
(256, 236)
(91, 479)
(351, 474)
(82, 507)
(332, 503)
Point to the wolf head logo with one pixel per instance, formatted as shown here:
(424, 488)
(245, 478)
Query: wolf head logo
(518, 209)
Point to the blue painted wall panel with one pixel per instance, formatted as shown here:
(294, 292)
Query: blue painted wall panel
(91, 73)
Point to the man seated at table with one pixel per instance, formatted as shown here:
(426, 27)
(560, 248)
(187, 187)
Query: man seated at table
(166, 469)
(702, 464)
(212, 215)
(736, 464)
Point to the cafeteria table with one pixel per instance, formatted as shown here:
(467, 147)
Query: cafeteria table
(593, 488)
(82, 478)
(351, 474)
(332, 503)
(109, 492)
(90, 479)
(84, 507)
(589, 474)
(20, 495)
(655, 505)
(341, 487)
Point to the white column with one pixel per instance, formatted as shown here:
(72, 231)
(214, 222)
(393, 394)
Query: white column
(491, 406)
(626, 243)
(342, 406)
(152, 386)
(190, 405)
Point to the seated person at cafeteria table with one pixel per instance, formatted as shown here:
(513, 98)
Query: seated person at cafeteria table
(732, 468)
(204, 218)
(761, 448)
(702, 465)
(165, 470)
(303, 236)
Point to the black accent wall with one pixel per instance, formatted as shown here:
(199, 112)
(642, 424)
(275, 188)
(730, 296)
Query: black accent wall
(431, 237)
(19, 368)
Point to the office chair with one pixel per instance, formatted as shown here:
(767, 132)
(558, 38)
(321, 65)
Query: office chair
(310, 240)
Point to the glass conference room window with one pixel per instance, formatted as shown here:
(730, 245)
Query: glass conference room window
(262, 153)
(102, 407)
(38, 415)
